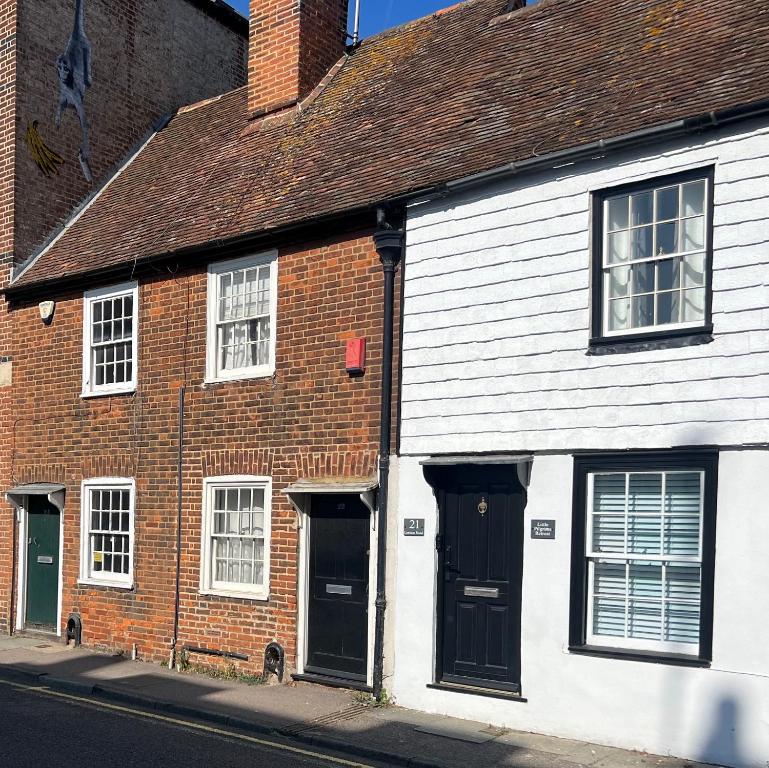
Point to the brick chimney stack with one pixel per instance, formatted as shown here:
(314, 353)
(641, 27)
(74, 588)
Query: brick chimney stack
(293, 44)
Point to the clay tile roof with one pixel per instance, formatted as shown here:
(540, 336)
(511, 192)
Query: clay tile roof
(437, 99)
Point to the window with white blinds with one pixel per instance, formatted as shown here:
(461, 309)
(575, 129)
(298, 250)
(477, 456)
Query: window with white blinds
(644, 549)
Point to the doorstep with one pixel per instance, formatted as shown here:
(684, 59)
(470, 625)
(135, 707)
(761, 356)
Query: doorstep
(332, 682)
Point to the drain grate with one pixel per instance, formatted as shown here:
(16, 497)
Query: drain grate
(349, 713)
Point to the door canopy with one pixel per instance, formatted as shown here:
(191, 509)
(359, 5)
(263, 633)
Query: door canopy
(521, 462)
(54, 492)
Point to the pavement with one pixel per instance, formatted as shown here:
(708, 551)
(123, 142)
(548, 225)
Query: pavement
(303, 713)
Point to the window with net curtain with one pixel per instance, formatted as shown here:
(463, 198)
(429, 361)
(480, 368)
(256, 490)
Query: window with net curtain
(236, 534)
(654, 256)
(241, 317)
(643, 554)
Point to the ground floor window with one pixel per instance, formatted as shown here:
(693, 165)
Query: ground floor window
(107, 531)
(643, 551)
(236, 536)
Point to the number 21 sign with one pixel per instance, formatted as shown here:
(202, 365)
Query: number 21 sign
(414, 526)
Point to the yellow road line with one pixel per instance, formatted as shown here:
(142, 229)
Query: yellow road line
(41, 689)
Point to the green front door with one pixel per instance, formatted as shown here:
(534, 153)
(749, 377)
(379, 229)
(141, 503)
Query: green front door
(42, 563)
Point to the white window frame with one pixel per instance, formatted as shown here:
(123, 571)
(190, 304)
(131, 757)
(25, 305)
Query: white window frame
(629, 643)
(207, 584)
(652, 186)
(125, 581)
(213, 374)
(90, 389)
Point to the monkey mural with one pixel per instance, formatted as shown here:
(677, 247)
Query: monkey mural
(74, 68)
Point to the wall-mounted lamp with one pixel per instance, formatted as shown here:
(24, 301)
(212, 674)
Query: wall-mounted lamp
(47, 309)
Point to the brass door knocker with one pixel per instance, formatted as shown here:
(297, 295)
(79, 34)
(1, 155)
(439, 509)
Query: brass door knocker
(483, 506)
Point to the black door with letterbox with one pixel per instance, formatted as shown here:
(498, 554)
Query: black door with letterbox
(480, 555)
(337, 617)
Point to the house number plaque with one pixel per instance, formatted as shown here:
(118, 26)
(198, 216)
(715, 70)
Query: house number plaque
(543, 529)
(414, 526)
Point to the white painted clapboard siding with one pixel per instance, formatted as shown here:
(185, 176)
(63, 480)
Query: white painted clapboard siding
(497, 323)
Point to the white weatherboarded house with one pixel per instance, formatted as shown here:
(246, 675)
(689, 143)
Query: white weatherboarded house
(585, 420)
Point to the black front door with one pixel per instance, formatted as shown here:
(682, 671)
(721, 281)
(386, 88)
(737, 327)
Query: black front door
(42, 564)
(480, 570)
(337, 620)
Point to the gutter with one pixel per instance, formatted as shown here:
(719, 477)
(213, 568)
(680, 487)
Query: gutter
(643, 137)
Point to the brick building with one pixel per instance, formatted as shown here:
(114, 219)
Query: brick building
(204, 415)
(119, 66)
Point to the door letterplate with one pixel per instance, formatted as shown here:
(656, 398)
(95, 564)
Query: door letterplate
(338, 589)
(481, 592)
(45, 559)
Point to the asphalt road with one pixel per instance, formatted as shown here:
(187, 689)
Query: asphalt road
(45, 728)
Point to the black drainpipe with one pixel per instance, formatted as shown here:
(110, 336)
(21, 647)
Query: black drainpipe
(389, 246)
(179, 487)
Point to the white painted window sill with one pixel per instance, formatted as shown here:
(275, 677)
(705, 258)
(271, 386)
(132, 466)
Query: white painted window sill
(128, 390)
(258, 596)
(244, 376)
(126, 586)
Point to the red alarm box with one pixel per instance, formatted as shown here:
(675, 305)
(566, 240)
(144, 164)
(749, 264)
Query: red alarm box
(356, 355)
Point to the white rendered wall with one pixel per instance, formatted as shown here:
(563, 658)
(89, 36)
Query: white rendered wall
(496, 323)
(718, 715)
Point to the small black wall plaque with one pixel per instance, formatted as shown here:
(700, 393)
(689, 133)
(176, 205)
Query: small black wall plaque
(414, 526)
(543, 529)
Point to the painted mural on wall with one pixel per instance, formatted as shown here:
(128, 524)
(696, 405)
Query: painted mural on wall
(45, 158)
(74, 69)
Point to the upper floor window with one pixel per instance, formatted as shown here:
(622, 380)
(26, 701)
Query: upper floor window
(652, 261)
(644, 552)
(242, 307)
(107, 532)
(110, 322)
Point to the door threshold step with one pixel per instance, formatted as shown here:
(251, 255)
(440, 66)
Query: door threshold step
(40, 634)
(476, 690)
(332, 682)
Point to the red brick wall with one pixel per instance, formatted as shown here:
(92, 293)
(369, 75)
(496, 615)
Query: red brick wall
(8, 21)
(309, 419)
(294, 44)
(148, 58)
